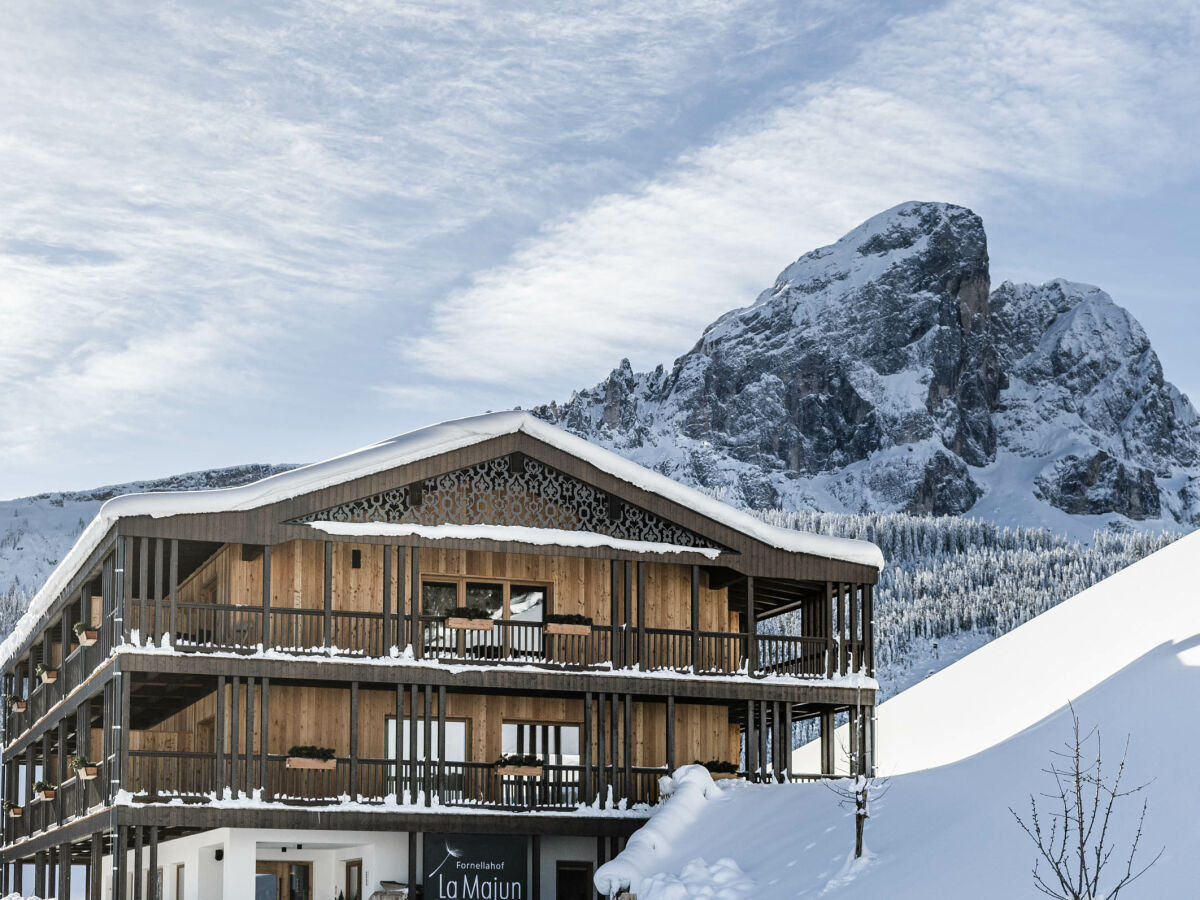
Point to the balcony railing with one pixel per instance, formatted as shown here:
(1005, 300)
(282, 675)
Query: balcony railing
(201, 627)
(73, 798)
(156, 776)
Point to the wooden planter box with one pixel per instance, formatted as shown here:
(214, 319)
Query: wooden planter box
(303, 762)
(20, 706)
(50, 677)
(88, 638)
(45, 795)
(722, 776)
(457, 623)
(521, 771)
(565, 628)
(87, 773)
(16, 812)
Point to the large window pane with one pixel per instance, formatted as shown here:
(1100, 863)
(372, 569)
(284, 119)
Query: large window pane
(485, 600)
(456, 740)
(526, 603)
(555, 744)
(438, 597)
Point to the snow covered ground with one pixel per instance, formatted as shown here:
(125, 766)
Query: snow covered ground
(972, 741)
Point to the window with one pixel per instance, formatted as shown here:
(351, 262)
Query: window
(456, 740)
(438, 597)
(527, 603)
(356, 559)
(179, 893)
(485, 599)
(557, 745)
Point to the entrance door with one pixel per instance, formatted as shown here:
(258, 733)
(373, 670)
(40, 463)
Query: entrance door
(354, 879)
(282, 881)
(574, 881)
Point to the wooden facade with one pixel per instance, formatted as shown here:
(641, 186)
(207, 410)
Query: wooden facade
(227, 638)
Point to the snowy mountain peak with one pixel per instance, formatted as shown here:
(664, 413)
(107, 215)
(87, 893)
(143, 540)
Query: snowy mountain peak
(882, 373)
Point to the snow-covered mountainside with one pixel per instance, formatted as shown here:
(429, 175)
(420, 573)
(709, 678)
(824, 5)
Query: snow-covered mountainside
(881, 373)
(35, 532)
(989, 724)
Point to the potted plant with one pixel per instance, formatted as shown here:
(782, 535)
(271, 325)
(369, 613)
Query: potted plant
(84, 770)
(308, 757)
(516, 764)
(567, 623)
(17, 704)
(14, 811)
(47, 674)
(462, 618)
(85, 634)
(44, 790)
(719, 769)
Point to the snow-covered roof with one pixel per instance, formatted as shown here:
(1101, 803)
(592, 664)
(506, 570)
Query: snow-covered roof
(402, 450)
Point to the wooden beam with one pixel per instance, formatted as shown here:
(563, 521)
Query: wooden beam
(441, 742)
(385, 638)
(235, 691)
(173, 591)
(586, 749)
(327, 593)
(96, 863)
(263, 733)
(627, 612)
(827, 629)
(751, 628)
(614, 593)
(601, 735)
(536, 854)
(143, 597)
(418, 639)
(751, 743)
(138, 839)
(412, 743)
(412, 863)
(670, 730)
(628, 749)
(354, 741)
(426, 715)
(695, 618)
(152, 870)
(641, 614)
(159, 593)
(267, 637)
(219, 734)
(119, 861)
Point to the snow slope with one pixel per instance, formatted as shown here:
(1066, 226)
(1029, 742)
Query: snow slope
(1126, 653)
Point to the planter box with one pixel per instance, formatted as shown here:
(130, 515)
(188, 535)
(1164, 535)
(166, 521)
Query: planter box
(88, 638)
(460, 624)
(303, 762)
(16, 812)
(50, 677)
(45, 795)
(521, 771)
(564, 628)
(722, 776)
(20, 706)
(87, 773)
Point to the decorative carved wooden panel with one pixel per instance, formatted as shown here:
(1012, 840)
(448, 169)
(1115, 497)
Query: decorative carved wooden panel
(529, 493)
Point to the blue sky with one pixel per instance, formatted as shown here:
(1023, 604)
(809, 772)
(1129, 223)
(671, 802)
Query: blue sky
(271, 234)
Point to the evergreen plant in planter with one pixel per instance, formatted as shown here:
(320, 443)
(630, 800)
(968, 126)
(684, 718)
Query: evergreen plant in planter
(47, 674)
(85, 634)
(17, 704)
(719, 769)
(308, 757)
(462, 618)
(517, 765)
(44, 790)
(567, 623)
(14, 811)
(84, 770)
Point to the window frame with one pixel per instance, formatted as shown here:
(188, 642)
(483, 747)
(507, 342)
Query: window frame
(506, 585)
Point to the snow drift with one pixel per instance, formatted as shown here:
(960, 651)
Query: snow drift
(972, 741)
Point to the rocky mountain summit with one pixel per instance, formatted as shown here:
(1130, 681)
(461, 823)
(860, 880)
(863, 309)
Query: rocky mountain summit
(882, 373)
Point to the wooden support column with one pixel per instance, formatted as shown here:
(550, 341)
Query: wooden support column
(641, 615)
(159, 593)
(414, 602)
(855, 645)
(764, 730)
(235, 692)
(354, 740)
(869, 628)
(173, 591)
(401, 594)
(827, 628)
(398, 746)
(426, 715)
(219, 735)
(385, 638)
(267, 636)
(327, 594)
(536, 880)
(152, 868)
(828, 760)
(248, 779)
(412, 743)
(787, 741)
(412, 864)
(627, 749)
(126, 592)
(751, 628)
(143, 597)
(61, 774)
(586, 748)
(695, 619)
(122, 773)
(95, 863)
(120, 861)
(441, 732)
(138, 838)
(614, 594)
(627, 613)
(40, 864)
(669, 756)
(601, 772)
(264, 711)
(614, 737)
(751, 743)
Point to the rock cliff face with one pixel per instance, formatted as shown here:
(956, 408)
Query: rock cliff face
(883, 373)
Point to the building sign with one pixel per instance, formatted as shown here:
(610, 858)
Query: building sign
(476, 867)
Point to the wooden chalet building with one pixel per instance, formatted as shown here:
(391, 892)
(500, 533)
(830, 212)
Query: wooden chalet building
(311, 684)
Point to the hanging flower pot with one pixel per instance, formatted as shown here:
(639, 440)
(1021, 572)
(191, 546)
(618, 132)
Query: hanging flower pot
(86, 634)
(305, 757)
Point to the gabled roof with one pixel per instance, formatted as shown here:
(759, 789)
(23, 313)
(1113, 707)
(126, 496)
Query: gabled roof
(408, 448)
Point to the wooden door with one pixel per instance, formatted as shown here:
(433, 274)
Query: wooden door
(282, 880)
(354, 879)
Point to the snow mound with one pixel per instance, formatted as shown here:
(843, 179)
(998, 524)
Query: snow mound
(1125, 653)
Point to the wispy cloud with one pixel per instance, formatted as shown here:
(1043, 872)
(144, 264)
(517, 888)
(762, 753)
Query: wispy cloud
(970, 103)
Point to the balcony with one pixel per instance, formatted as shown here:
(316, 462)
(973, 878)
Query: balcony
(240, 629)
